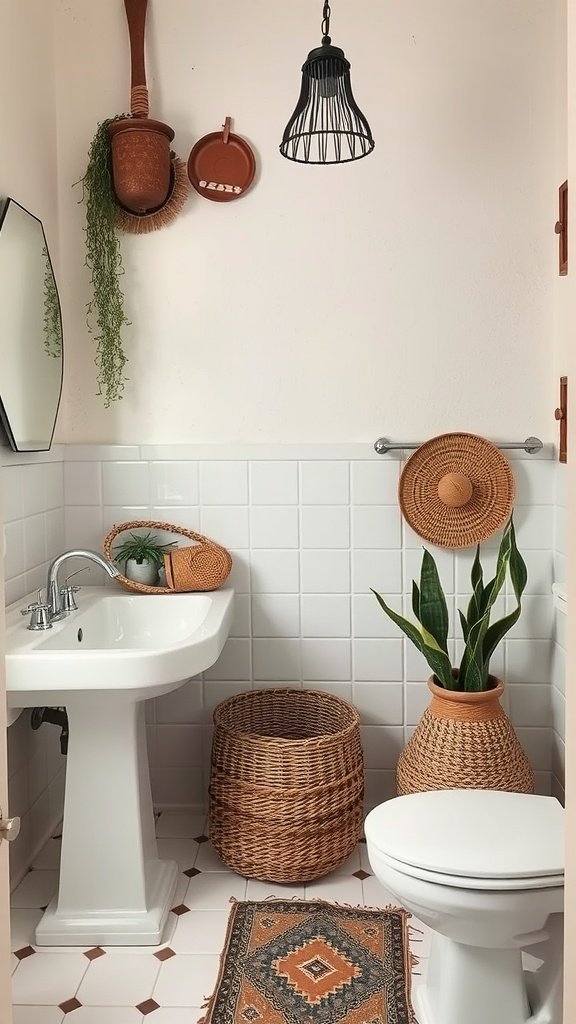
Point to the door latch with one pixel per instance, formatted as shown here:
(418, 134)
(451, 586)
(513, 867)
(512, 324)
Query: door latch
(9, 828)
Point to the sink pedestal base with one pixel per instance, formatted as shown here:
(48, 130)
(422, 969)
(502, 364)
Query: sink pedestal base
(113, 888)
(114, 928)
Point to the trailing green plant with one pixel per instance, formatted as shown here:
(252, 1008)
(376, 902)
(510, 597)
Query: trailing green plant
(104, 259)
(52, 321)
(430, 632)
(142, 548)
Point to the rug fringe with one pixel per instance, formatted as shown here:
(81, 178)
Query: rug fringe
(209, 1001)
(331, 903)
(280, 899)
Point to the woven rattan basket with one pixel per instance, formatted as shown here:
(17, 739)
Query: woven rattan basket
(287, 784)
(206, 566)
(464, 741)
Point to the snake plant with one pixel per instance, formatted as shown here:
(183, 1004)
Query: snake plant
(430, 631)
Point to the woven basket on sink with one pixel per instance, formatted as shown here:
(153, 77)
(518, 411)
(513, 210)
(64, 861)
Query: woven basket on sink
(205, 566)
(287, 784)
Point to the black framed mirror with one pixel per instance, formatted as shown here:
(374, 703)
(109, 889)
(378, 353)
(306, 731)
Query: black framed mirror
(31, 342)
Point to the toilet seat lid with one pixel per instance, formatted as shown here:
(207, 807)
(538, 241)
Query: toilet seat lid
(472, 833)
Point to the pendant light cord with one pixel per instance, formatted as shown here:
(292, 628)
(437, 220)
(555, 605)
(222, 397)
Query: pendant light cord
(326, 23)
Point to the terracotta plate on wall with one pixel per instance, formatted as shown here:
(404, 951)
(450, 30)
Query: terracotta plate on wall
(221, 166)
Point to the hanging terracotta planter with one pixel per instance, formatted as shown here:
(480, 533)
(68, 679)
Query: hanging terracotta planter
(141, 162)
(141, 155)
(464, 741)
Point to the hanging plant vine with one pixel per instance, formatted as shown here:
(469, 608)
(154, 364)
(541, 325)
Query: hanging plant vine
(52, 322)
(105, 312)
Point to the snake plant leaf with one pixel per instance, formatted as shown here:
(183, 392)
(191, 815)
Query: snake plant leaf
(472, 673)
(519, 577)
(433, 608)
(464, 624)
(518, 570)
(437, 659)
(416, 600)
(497, 631)
(495, 585)
(477, 582)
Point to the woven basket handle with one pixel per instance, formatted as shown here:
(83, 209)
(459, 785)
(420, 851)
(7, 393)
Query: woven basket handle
(136, 17)
(153, 524)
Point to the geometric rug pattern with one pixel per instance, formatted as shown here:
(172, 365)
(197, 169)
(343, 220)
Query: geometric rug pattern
(295, 961)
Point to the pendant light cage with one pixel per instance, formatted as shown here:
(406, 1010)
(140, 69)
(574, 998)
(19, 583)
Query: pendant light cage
(327, 125)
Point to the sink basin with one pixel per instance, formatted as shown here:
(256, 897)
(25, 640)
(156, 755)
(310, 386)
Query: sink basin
(141, 644)
(102, 663)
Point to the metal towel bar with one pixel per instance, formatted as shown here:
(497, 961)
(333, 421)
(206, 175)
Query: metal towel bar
(531, 445)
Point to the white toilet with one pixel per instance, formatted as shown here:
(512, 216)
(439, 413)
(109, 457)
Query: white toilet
(485, 871)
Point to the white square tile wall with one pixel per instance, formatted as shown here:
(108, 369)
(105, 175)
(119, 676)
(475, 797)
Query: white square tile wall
(310, 535)
(33, 488)
(33, 518)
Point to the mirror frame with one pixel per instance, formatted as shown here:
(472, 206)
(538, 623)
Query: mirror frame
(5, 206)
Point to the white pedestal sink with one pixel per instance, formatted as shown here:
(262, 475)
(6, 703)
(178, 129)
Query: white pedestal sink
(102, 662)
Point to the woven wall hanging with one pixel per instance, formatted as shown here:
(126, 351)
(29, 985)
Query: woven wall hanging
(456, 490)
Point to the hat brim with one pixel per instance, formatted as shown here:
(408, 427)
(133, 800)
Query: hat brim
(493, 490)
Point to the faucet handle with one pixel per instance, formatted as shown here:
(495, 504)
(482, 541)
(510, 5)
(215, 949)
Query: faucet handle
(39, 613)
(68, 599)
(33, 604)
(67, 592)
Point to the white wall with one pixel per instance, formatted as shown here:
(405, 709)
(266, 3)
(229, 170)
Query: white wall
(406, 294)
(28, 141)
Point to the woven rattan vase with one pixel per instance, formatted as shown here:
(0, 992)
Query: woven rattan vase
(464, 741)
(287, 784)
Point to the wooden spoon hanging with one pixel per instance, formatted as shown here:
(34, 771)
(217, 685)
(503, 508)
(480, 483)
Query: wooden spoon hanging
(140, 146)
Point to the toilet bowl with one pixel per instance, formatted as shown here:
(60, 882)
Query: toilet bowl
(484, 870)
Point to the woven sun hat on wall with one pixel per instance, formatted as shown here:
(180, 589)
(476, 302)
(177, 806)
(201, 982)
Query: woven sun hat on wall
(456, 490)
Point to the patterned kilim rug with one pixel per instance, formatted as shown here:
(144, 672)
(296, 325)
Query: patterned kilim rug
(297, 962)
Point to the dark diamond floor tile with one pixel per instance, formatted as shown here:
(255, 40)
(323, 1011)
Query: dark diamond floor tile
(180, 909)
(148, 1006)
(192, 872)
(201, 839)
(361, 874)
(69, 1005)
(164, 954)
(24, 952)
(93, 954)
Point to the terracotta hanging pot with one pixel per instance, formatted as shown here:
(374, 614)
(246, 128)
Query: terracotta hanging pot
(141, 155)
(464, 741)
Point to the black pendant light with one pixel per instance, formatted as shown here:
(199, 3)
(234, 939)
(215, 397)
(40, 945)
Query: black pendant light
(327, 126)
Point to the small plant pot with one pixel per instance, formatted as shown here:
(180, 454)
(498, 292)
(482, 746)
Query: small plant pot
(141, 572)
(464, 741)
(141, 162)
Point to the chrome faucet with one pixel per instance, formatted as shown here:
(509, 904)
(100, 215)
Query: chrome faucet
(55, 609)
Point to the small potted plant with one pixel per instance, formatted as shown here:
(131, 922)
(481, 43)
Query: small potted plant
(143, 555)
(464, 739)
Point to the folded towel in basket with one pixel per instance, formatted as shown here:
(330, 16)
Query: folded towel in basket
(202, 566)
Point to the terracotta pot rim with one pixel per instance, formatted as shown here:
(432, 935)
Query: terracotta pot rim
(463, 697)
(140, 124)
